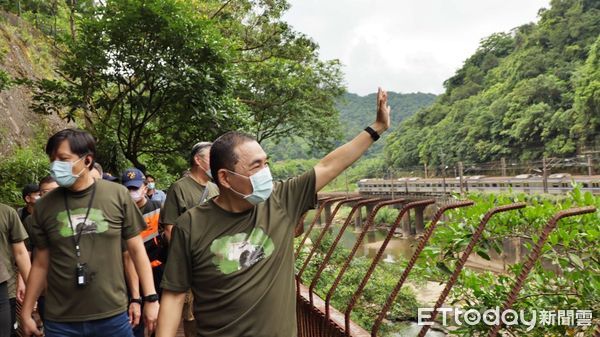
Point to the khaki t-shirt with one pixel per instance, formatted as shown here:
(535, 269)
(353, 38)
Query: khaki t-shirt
(4, 274)
(113, 217)
(27, 224)
(11, 231)
(184, 194)
(240, 266)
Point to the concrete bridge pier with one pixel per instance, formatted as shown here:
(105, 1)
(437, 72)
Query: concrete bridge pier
(358, 218)
(358, 222)
(419, 223)
(406, 229)
(369, 209)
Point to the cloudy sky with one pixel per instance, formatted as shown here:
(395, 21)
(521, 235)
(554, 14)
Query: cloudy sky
(404, 45)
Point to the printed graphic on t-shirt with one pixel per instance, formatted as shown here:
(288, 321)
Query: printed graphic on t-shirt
(241, 251)
(95, 222)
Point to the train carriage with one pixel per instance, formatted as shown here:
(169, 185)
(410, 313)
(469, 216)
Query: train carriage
(558, 183)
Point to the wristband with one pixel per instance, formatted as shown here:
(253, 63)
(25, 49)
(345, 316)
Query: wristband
(372, 132)
(151, 298)
(136, 300)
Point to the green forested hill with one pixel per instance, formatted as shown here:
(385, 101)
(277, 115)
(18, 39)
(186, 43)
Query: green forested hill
(534, 91)
(355, 113)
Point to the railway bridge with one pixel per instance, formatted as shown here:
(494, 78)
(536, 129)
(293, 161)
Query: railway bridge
(413, 223)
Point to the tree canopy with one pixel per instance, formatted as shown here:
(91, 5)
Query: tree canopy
(281, 83)
(150, 78)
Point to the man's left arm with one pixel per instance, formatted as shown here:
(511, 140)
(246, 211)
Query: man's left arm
(23, 262)
(22, 259)
(135, 247)
(21, 288)
(341, 158)
(133, 284)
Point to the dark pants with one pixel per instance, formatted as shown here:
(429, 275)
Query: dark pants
(5, 326)
(41, 306)
(13, 316)
(138, 331)
(117, 326)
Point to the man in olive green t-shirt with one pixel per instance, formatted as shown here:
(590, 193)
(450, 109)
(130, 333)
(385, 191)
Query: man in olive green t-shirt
(5, 319)
(236, 251)
(77, 230)
(184, 194)
(12, 248)
(190, 190)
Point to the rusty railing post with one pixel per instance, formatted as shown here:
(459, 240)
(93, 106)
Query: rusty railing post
(299, 229)
(317, 242)
(335, 243)
(324, 202)
(463, 259)
(366, 227)
(375, 261)
(413, 260)
(534, 256)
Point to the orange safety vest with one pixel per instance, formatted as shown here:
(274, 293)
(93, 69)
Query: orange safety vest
(151, 232)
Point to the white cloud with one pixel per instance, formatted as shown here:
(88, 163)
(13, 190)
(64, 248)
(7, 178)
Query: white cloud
(405, 46)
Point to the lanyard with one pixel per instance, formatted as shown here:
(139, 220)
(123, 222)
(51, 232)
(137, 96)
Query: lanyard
(81, 224)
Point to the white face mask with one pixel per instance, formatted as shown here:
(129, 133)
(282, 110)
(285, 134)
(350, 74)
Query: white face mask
(262, 186)
(62, 172)
(137, 195)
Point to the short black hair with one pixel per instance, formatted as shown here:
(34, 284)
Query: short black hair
(198, 148)
(46, 180)
(81, 142)
(150, 176)
(28, 189)
(222, 154)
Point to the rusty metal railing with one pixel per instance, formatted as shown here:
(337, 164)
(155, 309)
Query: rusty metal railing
(392, 230)
(313, 323)
(359, 240)
(463, 259)
(411, 263)
(331, 250)
(534, 256)
(310, 311)
(317, 242)
(323, 203)
(299, 230)
(316, 317)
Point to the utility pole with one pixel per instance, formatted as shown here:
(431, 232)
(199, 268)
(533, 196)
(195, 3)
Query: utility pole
(460, 174)
(444, 175)
(545, 174)
(443, 157)
(392, 181)
(503, 165)
(589, 165)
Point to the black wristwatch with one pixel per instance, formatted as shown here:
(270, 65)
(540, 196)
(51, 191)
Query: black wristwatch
(151, 298)
(373, 133)
(136, 300)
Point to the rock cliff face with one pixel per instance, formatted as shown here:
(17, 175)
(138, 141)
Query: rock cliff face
(24, 53)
